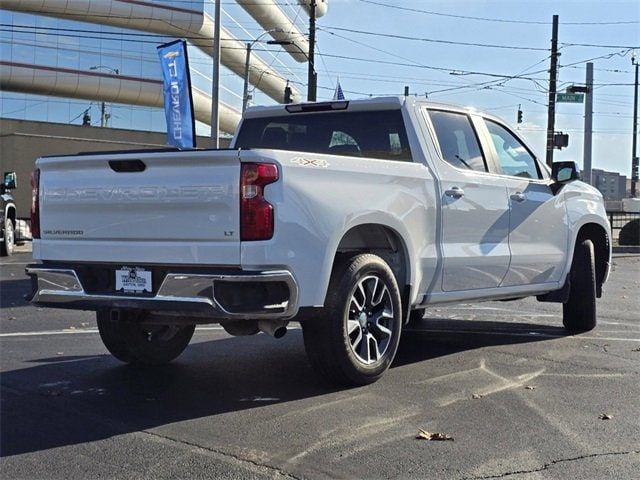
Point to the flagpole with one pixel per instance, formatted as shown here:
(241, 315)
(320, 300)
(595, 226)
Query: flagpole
(215, 82)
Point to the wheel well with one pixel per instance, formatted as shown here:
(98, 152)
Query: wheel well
(11, 213)
(600, 239)
(382, 241)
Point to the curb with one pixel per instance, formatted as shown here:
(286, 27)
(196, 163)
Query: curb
(626, 249)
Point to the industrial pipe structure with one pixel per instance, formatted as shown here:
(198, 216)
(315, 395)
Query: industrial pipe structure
(270, 17)
(164, 20)
(321, 7)
(69, 83)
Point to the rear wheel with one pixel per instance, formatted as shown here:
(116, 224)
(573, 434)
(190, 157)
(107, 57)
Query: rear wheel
(579, 312)
(8, 242)
(357, 338)
(132, 342)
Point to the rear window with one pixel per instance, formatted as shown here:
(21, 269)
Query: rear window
(380, 135)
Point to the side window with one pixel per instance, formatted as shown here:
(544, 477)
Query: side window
(513, 157)
(458, 141)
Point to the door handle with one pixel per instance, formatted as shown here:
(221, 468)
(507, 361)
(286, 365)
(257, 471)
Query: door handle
(518, 197)
(454, 192)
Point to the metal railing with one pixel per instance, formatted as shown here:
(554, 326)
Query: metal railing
(618, 219)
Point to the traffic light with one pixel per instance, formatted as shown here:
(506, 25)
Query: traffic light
(287, 93)
(519, 116)
(560, 140)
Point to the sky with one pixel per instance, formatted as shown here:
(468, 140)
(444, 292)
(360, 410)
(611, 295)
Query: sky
(523, 24)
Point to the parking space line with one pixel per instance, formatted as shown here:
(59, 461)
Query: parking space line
(68, 331)
(532, 334)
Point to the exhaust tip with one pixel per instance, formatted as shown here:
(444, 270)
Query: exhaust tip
(275, 328)
(279, 332)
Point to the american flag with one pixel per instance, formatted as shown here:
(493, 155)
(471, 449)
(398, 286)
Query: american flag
(338, 94)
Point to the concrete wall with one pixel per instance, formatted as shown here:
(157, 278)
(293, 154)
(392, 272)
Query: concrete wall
(23, 141)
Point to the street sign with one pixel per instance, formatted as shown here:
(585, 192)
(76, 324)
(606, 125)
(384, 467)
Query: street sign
(570, 97)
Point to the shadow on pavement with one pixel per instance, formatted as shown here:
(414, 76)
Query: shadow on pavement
(68, 401)
(12, 292)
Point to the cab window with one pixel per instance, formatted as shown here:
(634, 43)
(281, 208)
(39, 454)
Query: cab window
(458, 140)
(513, 157)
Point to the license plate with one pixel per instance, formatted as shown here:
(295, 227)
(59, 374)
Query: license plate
(133, 280)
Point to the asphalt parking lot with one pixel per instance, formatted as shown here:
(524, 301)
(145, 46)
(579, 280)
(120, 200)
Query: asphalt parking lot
(519, 398)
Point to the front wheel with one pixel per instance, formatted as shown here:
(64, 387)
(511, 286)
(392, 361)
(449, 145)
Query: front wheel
(579, 312)
(8, 238)
(357, 337)
(132, 342)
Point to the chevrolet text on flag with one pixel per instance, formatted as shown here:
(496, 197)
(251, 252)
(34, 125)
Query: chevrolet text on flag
(178, 102)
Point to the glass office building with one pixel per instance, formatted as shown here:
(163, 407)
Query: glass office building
(62, 46)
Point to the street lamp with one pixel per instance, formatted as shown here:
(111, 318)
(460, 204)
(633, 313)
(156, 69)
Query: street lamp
(313, 75)
(245, 93)
(103, 112)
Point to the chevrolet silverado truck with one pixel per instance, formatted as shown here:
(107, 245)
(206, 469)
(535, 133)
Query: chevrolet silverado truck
(350, 217)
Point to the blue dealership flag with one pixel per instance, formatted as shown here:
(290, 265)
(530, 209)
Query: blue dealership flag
(178, 101)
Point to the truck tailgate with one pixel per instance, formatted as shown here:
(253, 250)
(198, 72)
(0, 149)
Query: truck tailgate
(167, 207)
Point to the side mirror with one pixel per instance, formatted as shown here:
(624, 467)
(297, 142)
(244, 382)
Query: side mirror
(563, 172)
(9, 181)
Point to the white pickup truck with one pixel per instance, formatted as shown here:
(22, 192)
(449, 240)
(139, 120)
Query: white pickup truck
(350, 217)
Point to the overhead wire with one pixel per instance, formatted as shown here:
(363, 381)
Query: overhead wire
(497, 20)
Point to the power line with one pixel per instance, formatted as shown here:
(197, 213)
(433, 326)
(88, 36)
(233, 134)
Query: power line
(486, 19)
(597, 45)
(433, 40)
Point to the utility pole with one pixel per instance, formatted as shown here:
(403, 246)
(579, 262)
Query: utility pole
(215, 82)
(312, 76)
(103, 112)
(553, 72)
(588, 123)
(634, 152)
(245, 93)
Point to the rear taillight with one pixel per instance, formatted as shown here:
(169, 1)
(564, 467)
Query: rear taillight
(35, 203)
(256, 214)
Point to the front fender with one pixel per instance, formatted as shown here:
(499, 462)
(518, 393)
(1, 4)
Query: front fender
(584, 206)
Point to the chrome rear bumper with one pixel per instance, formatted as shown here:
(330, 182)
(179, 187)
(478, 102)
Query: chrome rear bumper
(179, 293)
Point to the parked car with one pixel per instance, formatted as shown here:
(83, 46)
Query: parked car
(8, 212)
(348, 216)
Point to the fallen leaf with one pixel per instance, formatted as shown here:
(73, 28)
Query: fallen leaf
(605, 416)
(72, 328)
(84, 324)
(476, 396)
(12, 318)
(59, 353)
(435, 436)
(530, 387)
(636, 349)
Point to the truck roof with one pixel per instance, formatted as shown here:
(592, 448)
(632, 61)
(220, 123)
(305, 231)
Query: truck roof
(364, 104)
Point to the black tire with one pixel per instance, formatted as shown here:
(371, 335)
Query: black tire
(130, 342)
(331, 341)
(579, 312)
(8, 238)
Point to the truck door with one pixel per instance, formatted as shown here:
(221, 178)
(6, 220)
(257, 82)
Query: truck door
(538, 227)
(475, 208)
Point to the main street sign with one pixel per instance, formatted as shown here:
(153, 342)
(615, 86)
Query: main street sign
(570, 97)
